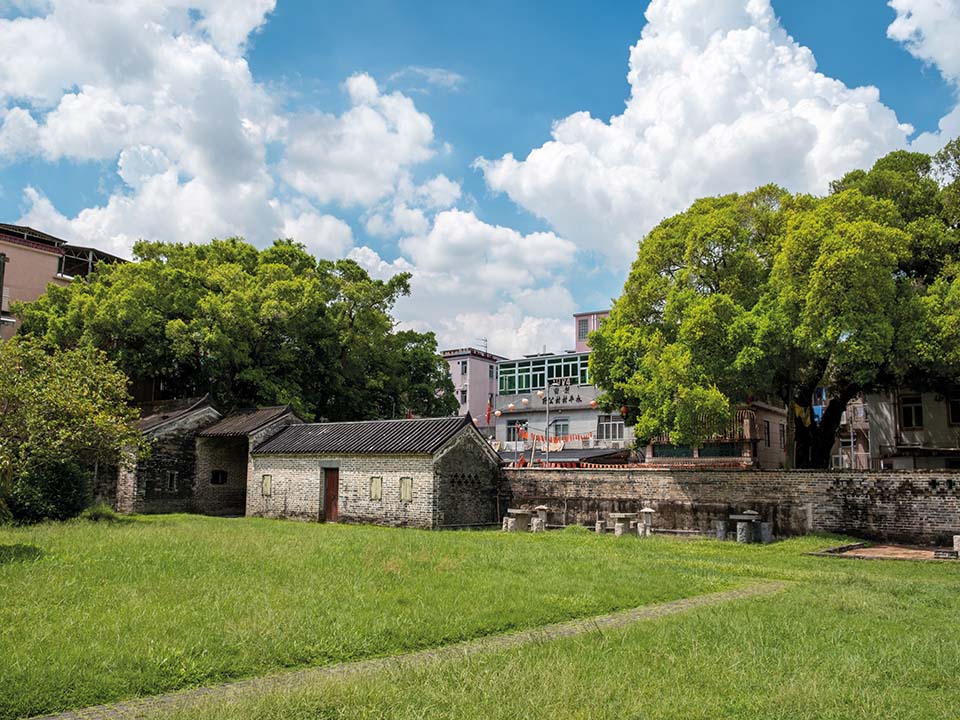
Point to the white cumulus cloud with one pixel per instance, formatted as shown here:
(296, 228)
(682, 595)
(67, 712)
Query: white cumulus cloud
(721, 99)
(930, 31)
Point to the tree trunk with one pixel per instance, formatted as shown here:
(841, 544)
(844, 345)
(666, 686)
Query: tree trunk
(815, 441)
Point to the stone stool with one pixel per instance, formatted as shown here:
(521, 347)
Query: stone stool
(521, 518)
(766, 532)
(720, 529)
(744, 531)
(621, 523)
(600, 527)
(538, 525)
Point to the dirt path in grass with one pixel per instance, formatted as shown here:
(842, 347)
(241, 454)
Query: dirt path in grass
(144, 707)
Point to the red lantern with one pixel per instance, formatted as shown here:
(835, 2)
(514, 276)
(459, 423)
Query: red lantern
(593, 404)
(623, 410)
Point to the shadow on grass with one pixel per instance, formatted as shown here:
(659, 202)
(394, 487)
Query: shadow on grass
(19, 553)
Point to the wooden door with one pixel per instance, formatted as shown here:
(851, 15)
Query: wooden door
(331, 493)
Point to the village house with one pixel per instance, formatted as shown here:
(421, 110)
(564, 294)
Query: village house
(164, 481)
(198, 459)
(429, 473)
(223, 456)
(900, 429)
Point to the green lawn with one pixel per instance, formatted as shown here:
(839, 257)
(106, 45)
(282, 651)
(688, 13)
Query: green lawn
(874, 641)
(848, 640)
(94, 612)
(114, 611)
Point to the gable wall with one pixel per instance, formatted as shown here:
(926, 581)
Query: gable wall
(144, 489)
(468, 479)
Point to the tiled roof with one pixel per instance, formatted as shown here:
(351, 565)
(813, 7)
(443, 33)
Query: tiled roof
(374, 437)
(244, 422)
(155, 414)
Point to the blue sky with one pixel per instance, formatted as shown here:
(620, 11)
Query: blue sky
(242, 118)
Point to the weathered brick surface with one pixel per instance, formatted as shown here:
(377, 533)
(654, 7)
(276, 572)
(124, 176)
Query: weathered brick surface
(903, 506)
(230, 455)
(144, 489)
(468, 480)
(297, 488)
(457, 486)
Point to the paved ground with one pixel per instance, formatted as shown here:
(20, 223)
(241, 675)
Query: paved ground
(144, 706)
(890, 552)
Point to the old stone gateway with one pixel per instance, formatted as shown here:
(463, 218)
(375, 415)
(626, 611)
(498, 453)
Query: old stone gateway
(430, 473)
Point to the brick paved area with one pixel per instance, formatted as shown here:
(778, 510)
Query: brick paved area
(148, 706)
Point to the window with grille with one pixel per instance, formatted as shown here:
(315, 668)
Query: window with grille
(911, 412)
(766, 433)
(582, 329)
(561, 427)
(513, 430)
(376, 488)
(463, 396)
(218, 477)
(172, 480)
(610, 427)
(783, 436)
(463, 367)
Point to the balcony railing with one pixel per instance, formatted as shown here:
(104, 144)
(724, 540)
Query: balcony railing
(742, 427)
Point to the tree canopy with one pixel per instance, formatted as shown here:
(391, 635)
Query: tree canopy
(60, 411)
(251, 327)
(768, 295)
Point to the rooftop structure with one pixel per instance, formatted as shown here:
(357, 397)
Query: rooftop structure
(30, 260)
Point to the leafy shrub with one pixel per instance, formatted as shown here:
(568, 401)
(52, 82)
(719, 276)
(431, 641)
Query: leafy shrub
(50, 491)
(577, 530)
(101, 512)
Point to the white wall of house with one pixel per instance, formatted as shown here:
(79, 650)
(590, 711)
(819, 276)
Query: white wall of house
(904, 444)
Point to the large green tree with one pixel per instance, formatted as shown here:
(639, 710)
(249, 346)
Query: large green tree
(251, 327)
(61, 412)
(770, 295)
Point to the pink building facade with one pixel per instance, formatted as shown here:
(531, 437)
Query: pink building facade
(474, 376)
(584, 324)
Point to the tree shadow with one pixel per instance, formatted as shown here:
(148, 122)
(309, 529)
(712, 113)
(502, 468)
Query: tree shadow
(19, 553)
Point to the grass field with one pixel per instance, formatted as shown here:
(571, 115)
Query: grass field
(113, 611)
(93, 612)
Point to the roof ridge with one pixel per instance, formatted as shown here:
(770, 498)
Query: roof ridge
(378, 420)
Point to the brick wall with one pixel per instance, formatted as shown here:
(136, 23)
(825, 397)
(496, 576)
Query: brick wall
(228, 454)
(904, 506)
(297, 488)
(468, 479)
(144, 489)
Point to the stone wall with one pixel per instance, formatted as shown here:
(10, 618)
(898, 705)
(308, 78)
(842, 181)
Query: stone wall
(904, 506)
(297, 488)
(468, 479)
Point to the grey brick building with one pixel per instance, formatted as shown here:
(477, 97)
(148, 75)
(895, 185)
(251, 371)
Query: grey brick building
(430, 473)
(164, 481)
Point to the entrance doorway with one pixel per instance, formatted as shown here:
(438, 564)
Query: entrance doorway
(331, 494)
